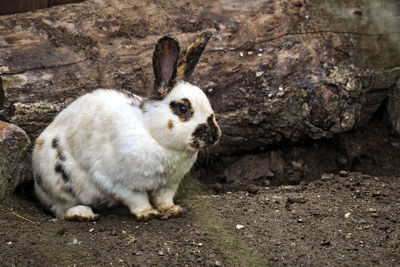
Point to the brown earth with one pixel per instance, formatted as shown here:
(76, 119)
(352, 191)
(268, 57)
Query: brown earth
(344, 219)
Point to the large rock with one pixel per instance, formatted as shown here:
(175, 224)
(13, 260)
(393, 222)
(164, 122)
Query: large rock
(14, 158)
(277, 71)
(394, 108)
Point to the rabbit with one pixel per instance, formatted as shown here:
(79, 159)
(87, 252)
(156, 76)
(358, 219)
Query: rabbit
(112, 147)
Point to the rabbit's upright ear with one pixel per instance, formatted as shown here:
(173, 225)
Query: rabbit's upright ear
(165, 58)
(189, 58)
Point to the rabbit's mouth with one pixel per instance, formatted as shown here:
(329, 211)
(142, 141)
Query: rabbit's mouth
(206, 134)
(198, 145)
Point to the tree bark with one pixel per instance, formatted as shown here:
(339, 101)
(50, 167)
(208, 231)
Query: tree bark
(276, 71)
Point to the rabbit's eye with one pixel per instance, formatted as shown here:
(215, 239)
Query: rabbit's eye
(182, 108)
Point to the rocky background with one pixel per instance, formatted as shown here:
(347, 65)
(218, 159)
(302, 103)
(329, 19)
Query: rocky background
(278, 73)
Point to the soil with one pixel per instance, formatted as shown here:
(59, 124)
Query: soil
(345, 211)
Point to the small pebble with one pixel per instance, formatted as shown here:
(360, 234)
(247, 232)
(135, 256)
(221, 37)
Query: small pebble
(297, 165)
(343, 173)
(326, 243)
(300, 220)
(396, 144)
(218, 187)
(326, 176)
(61, 232)
(75, 242)
(239, 226)
(371, 210)
(374, 215)
(252, 189)
(91, 230)
(161, 253)
(376, 193)
(347, 215)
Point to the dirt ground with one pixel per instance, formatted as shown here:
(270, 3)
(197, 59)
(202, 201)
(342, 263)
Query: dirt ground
(340, 219)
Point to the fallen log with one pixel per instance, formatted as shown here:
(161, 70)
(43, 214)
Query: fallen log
(276, 71)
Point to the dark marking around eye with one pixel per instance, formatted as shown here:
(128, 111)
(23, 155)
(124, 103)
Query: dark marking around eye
(182, 108)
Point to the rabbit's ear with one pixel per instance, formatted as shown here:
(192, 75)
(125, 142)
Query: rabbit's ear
(188, 60)
(165, 57)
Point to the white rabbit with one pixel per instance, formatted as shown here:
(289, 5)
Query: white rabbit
(110, 147)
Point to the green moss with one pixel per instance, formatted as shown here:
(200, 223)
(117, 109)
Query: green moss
(371, 25)
(12, 81)
(215, 228)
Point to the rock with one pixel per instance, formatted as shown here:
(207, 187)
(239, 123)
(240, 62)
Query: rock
(270, 80)
(14, 158)
(393, 108)
(297, 165)
(371, 210)
(277, 162)
(376, 193)
(326, 243)
(343, 173)
(252, 189)
(327, 176)
(296, 199)
(249, 168)
(342, 161)
(218, 187)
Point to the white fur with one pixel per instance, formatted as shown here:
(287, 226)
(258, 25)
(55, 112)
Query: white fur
(115, 151)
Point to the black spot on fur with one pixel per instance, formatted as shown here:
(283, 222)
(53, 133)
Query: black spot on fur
(55, 143)
(60, 157)
(206, 134)
(59, 168)
(59, 152)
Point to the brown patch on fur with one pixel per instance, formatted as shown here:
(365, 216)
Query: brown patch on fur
(39, 143)
(170, 125)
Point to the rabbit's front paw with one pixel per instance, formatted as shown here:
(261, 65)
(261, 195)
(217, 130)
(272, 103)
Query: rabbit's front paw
(80, 213)
(147, 214)
(171, 211)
